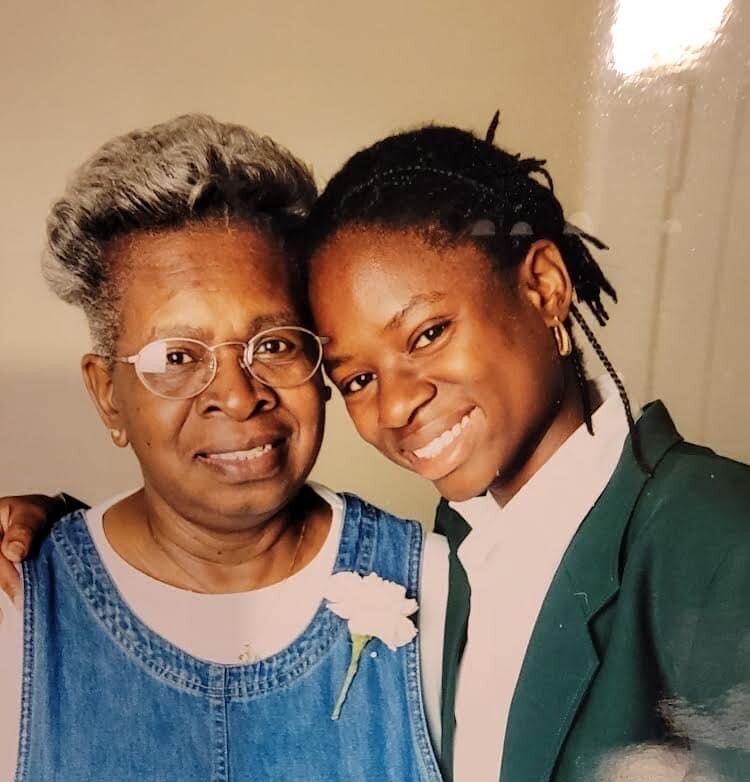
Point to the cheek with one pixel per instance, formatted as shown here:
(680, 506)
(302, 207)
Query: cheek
(480, 363)
(530, 394)
(307, 407)
(364, 415)
(539, 364)
(155, 423)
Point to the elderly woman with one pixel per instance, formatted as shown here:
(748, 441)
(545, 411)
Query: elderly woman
(180, 632)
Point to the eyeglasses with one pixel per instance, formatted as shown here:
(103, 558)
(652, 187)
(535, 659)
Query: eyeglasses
(180, 368)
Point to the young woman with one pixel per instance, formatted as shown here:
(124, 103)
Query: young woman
(206, 625)
(600, 565)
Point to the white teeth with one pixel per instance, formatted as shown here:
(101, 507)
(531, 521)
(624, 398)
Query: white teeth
(241, 456)
(441, 442)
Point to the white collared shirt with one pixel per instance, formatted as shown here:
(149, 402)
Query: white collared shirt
(510, 557)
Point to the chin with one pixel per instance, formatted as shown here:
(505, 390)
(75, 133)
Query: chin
(459, 496)
(456, 488)
(235, 507)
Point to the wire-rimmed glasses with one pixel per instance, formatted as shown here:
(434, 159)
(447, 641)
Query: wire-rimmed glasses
(181, 368)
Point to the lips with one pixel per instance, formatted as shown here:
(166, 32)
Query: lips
(440, 447)
(254, 460)
(433, 437)
(246, 450)
(240, 456)
(442, 441)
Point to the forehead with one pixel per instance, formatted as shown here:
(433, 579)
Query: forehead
(367, 267)
(207, 272)
(204, 251)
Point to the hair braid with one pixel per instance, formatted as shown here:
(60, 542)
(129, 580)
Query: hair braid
(594, 342)
(581, 381)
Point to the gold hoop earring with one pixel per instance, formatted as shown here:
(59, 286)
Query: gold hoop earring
(119, 438)
(562, 338)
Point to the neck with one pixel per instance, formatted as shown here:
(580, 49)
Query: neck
(564, 418)
(155, 539)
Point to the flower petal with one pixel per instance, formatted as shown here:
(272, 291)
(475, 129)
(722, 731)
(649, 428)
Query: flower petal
(342, 585)
(373, 606)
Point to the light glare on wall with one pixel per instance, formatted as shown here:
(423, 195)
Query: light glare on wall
(650, 35)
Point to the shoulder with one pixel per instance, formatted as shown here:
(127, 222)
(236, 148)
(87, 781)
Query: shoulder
(695, 493)
(690, 474)
(67, 529)
(385, 532)
(354, 504)
(686, 562)
(689, 534)
(66, 540)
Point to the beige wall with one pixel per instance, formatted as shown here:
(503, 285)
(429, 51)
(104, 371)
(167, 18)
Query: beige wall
(325, 79)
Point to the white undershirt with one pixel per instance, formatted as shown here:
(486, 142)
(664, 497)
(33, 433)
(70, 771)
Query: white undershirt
(510, 557)
(223, 628)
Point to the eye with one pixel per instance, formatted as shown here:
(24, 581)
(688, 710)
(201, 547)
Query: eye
(273, 346)
(178, 358)
(429, 335)
(356, 383)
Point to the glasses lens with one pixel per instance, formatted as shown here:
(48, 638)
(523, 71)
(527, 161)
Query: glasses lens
(285, 357)
(175, 368)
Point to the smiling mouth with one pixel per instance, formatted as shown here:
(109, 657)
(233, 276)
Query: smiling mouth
(438, 444)
(240, 456)
(235, 457)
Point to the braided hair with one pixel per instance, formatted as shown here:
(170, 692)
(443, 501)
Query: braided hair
(450, 186)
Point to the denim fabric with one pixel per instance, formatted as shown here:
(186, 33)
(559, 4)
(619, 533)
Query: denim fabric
(105, 699)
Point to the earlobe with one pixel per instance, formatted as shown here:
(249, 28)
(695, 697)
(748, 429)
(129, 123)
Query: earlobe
(546, 282)
(97, 377)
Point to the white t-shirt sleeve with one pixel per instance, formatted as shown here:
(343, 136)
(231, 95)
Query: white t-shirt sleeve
(11, 666)
(433, 599)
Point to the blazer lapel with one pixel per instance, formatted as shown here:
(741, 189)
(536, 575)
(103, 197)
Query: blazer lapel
(455, 528)
(559, 665)
(561, 659)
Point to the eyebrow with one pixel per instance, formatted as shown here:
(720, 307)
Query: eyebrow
(257, 324)
(285, 318)
(415, 301)
(393, 324)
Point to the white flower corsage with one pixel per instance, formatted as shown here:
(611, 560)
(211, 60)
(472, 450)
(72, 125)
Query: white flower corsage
(373, 608)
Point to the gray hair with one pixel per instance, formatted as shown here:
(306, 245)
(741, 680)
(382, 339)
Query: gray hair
(187, 170)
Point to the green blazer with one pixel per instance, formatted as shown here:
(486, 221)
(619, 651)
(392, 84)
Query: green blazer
(644, 636)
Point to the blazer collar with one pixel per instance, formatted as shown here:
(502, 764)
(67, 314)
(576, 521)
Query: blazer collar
(561, 659)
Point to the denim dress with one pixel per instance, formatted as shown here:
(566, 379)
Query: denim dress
(105, 699)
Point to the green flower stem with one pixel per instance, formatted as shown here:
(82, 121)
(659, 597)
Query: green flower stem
(358, 644)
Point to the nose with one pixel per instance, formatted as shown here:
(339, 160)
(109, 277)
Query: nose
(401, 394)
(234, 391)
